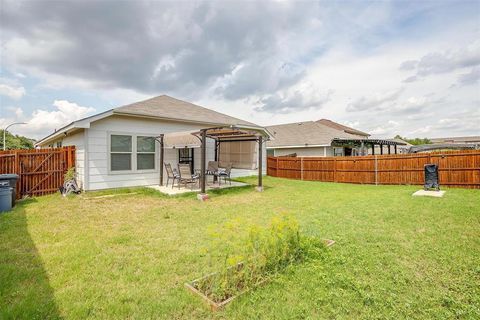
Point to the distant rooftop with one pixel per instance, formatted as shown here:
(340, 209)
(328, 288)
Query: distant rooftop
(470, 139)
(311, 133)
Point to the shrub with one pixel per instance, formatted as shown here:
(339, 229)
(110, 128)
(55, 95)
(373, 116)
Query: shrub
(250, 254)
(70, 174)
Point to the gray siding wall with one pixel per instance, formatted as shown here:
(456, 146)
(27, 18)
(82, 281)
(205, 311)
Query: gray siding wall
(99, 176)
(305, 152)
(77, 139)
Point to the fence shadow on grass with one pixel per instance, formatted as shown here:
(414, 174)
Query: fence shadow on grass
(25, 291)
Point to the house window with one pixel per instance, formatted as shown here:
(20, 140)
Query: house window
(145, 153)
(120, 152)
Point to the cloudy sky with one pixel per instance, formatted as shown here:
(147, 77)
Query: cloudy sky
(406, 67)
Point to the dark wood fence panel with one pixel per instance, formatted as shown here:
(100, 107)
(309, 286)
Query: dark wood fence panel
(456, 168)
(40, 171)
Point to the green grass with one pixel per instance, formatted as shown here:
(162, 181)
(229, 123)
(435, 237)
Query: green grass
(396, 256)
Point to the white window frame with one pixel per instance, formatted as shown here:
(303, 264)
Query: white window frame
(154, 153)
(133, 153)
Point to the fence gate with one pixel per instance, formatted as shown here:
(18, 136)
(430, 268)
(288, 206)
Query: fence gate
(40, 171)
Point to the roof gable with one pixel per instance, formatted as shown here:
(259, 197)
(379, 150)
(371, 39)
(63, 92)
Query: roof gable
(338, 126)
(309, 133)
(170, 108)
(161, 107)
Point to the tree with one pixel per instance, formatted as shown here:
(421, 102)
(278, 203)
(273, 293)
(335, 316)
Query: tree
(414, 141)
(16, 141)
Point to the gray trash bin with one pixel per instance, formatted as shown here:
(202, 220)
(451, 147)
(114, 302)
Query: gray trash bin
(12, 180)
(5, 197)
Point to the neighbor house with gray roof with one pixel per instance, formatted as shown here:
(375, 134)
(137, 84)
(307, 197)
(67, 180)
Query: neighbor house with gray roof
(120, 147)
(311, 139)
(326, 138)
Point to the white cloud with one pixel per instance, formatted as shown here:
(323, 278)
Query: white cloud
(301, 97)
(42, 122)
(18, 112)
(11, 91)
(375, 101)
(386, 129)
(443, 62)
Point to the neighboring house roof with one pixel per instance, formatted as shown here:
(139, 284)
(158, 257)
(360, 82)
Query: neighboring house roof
(407, 144)
(338, 126)
(162, 107)
(471, 139)
(309, 134)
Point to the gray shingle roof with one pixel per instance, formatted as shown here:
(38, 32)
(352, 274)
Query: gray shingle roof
(171, 108)
(335, 125)
(306, 133)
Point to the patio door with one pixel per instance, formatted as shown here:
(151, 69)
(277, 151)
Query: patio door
(185, 155)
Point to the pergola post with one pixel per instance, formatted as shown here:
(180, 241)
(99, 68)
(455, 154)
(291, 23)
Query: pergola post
(373, 149)
(381, 149)
(389, 152)
(203, 161)
(395, 149)
(215, 157)
(162, 151)
(362, 149)
(260, 164)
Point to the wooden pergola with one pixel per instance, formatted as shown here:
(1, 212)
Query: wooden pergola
(365, 143)
(221, 134)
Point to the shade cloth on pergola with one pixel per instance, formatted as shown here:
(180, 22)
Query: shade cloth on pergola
(221, 134)
(179, 140)
(361, 143)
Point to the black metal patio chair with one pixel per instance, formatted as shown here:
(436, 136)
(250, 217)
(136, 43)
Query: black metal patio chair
(225, 173)
(212, 169)
(186, 176)
(171, 174)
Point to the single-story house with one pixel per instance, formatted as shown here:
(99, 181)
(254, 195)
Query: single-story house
(121, 147)
(325, 138)
(311, 139)
(459, 140)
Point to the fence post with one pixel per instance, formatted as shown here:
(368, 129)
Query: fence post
(301, 167)
(376, 171)
(17, 162)
(276, 171)
(334, 170)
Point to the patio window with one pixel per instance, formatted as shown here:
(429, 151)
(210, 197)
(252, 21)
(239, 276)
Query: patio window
(145, 153)
(120, 152)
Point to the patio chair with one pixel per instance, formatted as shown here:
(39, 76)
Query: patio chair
(225, 173)
(171, 174)
(212, 169)
(186, 176)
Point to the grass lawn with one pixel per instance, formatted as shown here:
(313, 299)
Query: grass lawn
(128, 256)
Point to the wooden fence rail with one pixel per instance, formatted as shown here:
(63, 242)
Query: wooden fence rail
(456, 169)
(40, 171)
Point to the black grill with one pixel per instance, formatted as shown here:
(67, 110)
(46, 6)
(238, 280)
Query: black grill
(431, 177)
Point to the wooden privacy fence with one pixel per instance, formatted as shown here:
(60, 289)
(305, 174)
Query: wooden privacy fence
(40, 171)
(456, 169)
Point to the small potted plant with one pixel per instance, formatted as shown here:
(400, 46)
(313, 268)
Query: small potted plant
(70, 183)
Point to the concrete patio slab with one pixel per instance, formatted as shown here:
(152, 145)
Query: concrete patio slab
(175, 190)
(429, 193)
